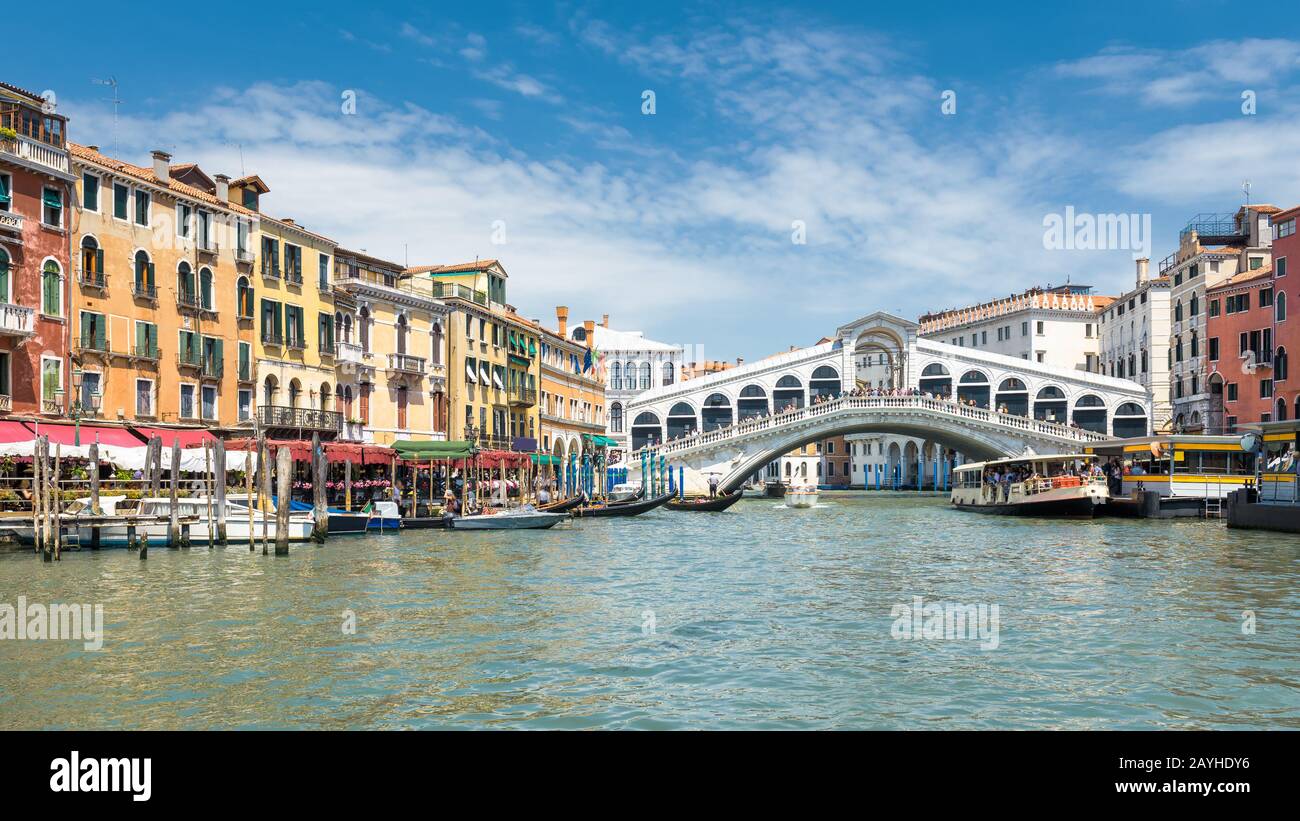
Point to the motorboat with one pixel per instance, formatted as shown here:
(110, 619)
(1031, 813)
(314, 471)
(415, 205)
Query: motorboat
(384, 516)
(521, 518)
(1065, 484)
(801, 497)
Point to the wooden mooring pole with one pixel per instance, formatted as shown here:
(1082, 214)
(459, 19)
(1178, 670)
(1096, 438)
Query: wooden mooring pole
(320, 509)
(219, 479)
(264, 491)
(58, 502)
(94, 493)
(173, 492)
(283, 477)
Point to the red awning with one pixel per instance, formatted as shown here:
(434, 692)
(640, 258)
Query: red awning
(500, 458)
(189, 437)
(300, 450)
(15, 432)
(66, 434)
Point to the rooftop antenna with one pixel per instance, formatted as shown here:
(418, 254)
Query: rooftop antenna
(240, 146)
(1245, 189)
(111, 82)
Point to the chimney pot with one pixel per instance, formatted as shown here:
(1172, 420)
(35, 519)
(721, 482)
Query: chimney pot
(562, 317)
(1143, 270)
(591, 331)
(94, 148)
(223, 187)
(162, 165)
(604, 321)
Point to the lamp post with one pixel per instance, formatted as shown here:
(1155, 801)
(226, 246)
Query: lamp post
(79, 408)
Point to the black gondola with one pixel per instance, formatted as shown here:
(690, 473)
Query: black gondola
(704, 503)
(623, 508)
(562, 506)
(423, 522)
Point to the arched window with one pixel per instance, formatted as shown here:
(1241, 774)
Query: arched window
(681, 420)
(1178, 311)
(363, 328)
(244, 298)
(788, 393)
(1090, 413)
(52, 289)
(646, 376)
(1049, 405)
(295, 391)
(1281, 411)
(716, 412)
(1194, 307)
(1279, 305)
(1196, 344)
(616, 378)
(92, 262)
(1012, 397)
(616, 417)
(973, 387)
(935, 379)
(401, 337)
(185, 291)
(646, 430)
(752, 402)
(436, 342)
(825, 381)
(205, 288)
(326, 397)
(347, 401)
(1279, 365)
(144, 273)
(270, 390)
(668, 373)
(1131, 420)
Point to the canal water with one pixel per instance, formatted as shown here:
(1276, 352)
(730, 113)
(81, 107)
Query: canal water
(760, 617)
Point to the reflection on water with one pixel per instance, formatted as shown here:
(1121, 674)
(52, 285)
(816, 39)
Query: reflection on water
(758, 617)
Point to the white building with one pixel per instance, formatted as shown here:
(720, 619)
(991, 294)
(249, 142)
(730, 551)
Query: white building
(1135, 340)
(1052, 326)
(633, 364)
(1211, 248)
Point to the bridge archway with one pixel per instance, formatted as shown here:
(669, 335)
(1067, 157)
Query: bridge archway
(936, 379)
(646, 430)
(681, 420)
(789, 391)
(1050, 404)
(716, 413)
(974, 387)
(1090, 413)
(825, 381)
(1012, 397)
(1130, 420)
(885, 353)
(752, 402)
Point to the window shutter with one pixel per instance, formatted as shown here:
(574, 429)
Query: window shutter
(218, 355)
(150, 283)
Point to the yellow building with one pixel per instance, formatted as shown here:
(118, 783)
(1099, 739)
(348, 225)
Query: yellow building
(155, 327)
(493, 352)
(571, 403)
(391, 342)
(292, 299)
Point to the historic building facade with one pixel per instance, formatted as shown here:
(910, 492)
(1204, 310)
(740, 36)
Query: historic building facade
(154, 315)
(391, 363)
(36, 241)
(1135, 340)
(571, 404)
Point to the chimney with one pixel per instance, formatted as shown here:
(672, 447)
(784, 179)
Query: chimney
(591, 331)
(1143, 271)
(162, 165)
(740, 360)
(223, 188)
(94, 148)
(604, 322)
(562, 316)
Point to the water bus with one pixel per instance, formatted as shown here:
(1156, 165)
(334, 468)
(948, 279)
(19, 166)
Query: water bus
(1064, 484)
(1274, 504)
(1190, 474)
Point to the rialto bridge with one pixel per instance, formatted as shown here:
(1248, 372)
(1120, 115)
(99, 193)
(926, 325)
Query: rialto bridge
(976, 403)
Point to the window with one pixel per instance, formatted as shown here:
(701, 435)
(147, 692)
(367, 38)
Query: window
(209, 402)
(89, 192)
(205, 289)
(6, 192)
(94, 331)
(52, 207)
(146, 340)
(184, 218)
(51, 379)
(323, 280)
(245, 405)
(144, 397)
(51, 289)
(1231, 391)
(272, 323)
(1279, 267)
(1284, 229)
(4, 276)
(292, 263)
(295, 335)
(1039, 328)
(270, 257)
(1024, 329)
(1256, 262)
(325, 333)
(90, 388)
(205, 230)
(1213, 343)
(141, 207)
(1214, 307)
(1265, 297)
(245, 361)
(121, 198)
(187, 402)
(1266, 389)
(1279, 306)
(244, 298)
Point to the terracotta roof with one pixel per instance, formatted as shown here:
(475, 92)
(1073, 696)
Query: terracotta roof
(1287, 214)
(361, 255)
(458, 268)
(253, 180)
(35, 98)
(1244, 277)
(81, 152)
(1264, 208)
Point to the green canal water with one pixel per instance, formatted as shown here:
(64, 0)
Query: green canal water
(762, 617)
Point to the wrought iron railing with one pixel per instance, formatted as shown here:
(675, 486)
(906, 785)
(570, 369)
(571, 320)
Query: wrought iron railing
(280, 416)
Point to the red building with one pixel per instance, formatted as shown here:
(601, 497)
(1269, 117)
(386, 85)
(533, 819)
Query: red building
(1247, 366)
(1286, 332)
(36, 189)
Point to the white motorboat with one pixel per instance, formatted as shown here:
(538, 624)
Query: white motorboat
(1066, 484)
(801, 497)
(524, 518)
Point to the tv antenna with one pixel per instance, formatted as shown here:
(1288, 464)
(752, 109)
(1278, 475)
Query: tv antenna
(1245, 189)
(240, 146)
(111, 82)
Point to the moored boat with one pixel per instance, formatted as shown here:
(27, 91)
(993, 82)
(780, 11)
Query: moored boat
(515, 519)
(701, 504)
(622, 508)
(801, 497)
(1067, 484)
(563, 505)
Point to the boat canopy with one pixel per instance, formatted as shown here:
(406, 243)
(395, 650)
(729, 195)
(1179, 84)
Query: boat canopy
(1025, 460)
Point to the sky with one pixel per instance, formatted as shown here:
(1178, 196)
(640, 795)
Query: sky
(800, 167)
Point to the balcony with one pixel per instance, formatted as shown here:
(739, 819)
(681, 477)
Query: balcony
(6, 403)
(9, 221)
(193, 360)
(279, 416)
(524, 397)
(146, 353)
(144, 290)
(348, 353)
(243, 256)
(16, 320)
(212, 368)
(296, 343)
(53, 407)
(34, 153)
(185, 299)
(92, 279)
(271, 271)
(400, 363)
(272, 338)
(293, 276)
(92, 344)
(328, 349)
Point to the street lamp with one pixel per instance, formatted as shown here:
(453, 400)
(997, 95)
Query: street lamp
(79, 408)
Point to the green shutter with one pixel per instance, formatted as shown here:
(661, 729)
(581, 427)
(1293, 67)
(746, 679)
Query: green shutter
(219, 357)
(52, 198)
(52, 384)
(151, 281)
(4, 189)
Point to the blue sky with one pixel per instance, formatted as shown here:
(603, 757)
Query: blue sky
(529, 117)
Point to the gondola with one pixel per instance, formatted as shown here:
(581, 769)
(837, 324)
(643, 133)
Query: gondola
(562, 506)
(622, 508)
(704, 503)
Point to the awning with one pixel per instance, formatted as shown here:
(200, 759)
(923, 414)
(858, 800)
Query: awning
(545, 459)
(469, 373)
(412, 449)
(518, 360)
(532, 349)
(300, 450)
(189, 437)
(496, 380)
(600, 441)
(501, 458)
(483, 372)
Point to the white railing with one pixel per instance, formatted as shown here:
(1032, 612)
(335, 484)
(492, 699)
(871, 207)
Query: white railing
(37, 152)
(11, 221)
(777, 421)
(406, 363)
(347, 353)
(16, 319)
